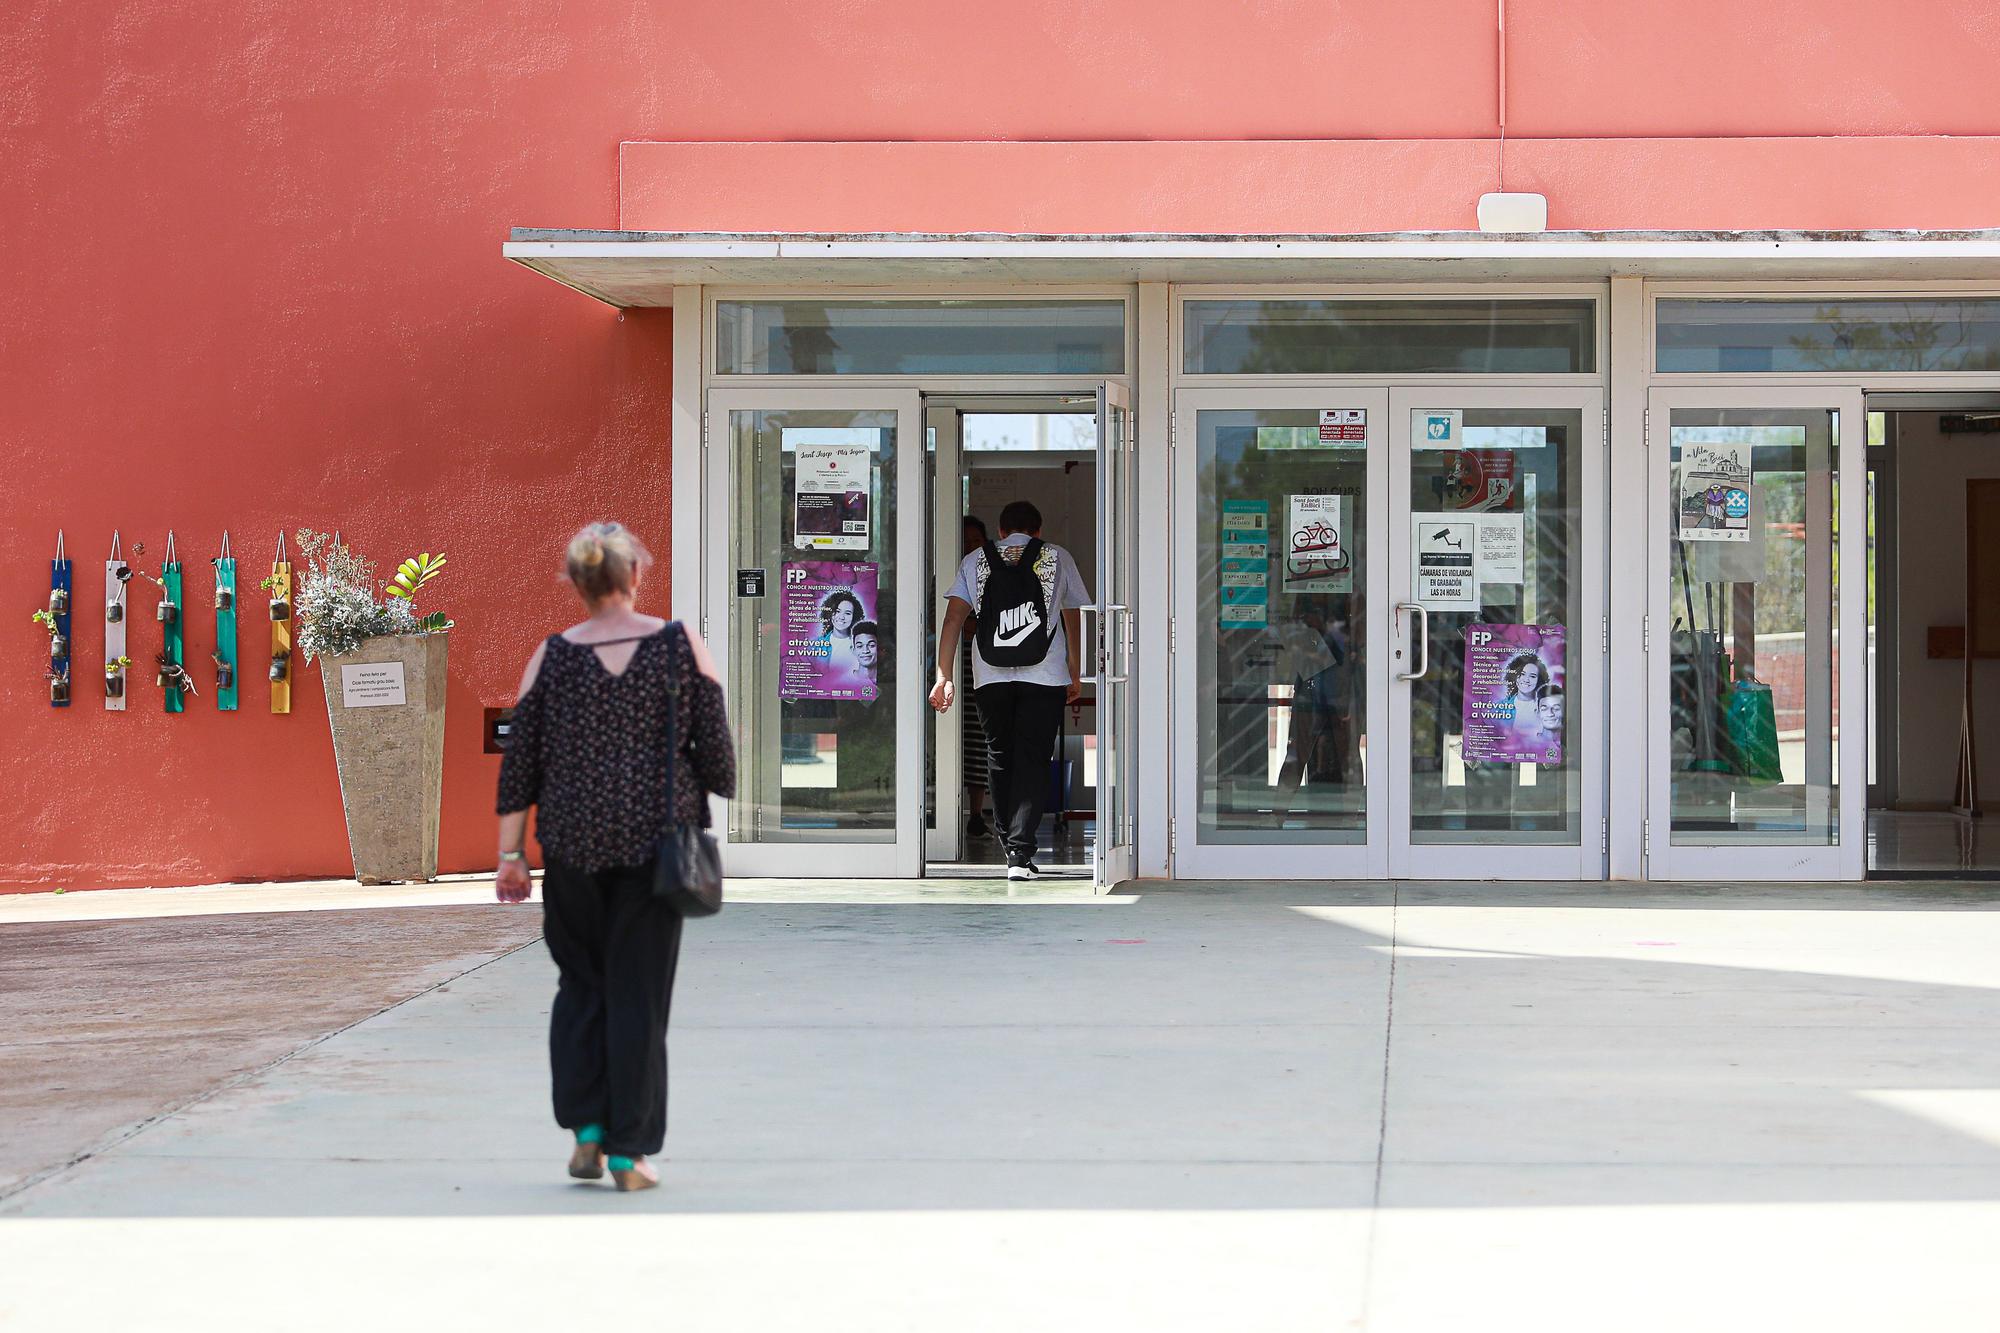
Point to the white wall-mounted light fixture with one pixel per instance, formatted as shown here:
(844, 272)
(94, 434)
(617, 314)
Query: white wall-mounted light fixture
(1513, 212)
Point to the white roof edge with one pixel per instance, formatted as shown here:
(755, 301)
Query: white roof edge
(1183, 247)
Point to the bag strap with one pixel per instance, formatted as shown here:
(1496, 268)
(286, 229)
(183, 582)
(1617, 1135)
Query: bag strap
(674, 631)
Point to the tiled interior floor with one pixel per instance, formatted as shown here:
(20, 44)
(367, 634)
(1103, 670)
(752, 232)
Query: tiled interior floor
(1930, 841)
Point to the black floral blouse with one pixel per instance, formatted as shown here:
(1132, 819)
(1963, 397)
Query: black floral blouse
(589, 750)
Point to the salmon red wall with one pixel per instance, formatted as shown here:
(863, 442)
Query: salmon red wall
(255, 277)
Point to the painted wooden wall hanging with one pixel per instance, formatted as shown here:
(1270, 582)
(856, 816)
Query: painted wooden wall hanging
(173, 650)
(116, 575)
(56, 619)
(225, 629)
(279, 586)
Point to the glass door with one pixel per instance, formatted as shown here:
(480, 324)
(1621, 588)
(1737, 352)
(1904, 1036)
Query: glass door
(1107, 661)
(1749, 672)
(1495, 651)
(1280, 574)
(815, 497)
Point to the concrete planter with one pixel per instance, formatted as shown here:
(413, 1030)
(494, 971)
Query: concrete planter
(390, 754)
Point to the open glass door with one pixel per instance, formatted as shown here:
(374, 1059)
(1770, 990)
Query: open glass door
(817, 499)
(1497, 684)
(1107, 662)
(1749, 671)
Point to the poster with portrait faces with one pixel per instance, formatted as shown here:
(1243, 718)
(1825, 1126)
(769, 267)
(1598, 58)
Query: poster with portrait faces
(1516, 703)
(833, 646)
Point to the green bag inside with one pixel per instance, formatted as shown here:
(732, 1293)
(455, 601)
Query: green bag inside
(1753, 731)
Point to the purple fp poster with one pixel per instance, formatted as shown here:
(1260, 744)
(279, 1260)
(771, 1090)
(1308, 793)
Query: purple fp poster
(832, 643)
(1515, 701)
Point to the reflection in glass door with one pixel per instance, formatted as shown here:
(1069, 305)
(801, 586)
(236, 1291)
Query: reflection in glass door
(1748, 685)
(819, 572)
(1496, 648)
(1277, 680)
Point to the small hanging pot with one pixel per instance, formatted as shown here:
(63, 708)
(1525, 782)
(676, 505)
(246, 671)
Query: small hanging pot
(281, 609)
(281, 667)
(114, 685)
(168, 613)
(58, 601)
(59, 690)
(114, 612)
(225, 599)
(58, 647)
(225, 675)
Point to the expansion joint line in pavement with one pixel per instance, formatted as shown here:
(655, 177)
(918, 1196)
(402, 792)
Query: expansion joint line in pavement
(139, 1127)
(1382, 1110)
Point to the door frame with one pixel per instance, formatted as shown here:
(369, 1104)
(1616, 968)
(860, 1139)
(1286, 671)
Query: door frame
(902, 857)
(1846, 858)
(1192, 858)
(1109, 650)
(1585, 648)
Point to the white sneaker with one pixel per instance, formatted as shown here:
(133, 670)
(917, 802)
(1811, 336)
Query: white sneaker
(1020, 872)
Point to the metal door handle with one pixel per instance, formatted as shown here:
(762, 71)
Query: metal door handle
(1118, 644)
(1424, 661)
(1087, 651)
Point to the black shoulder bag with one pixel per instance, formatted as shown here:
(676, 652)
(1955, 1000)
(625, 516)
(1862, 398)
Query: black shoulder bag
(687, 869)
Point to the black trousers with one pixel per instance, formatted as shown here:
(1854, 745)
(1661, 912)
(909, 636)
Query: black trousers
(1021, 722)
(616, 947)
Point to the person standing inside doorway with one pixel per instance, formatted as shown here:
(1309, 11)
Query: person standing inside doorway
(1026, 664)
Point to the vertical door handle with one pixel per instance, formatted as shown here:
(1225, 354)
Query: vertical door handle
(1424, 660)
(1117, 644)
(1088, 652)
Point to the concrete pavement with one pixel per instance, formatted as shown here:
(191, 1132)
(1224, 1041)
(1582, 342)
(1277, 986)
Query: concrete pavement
(1263, 1107)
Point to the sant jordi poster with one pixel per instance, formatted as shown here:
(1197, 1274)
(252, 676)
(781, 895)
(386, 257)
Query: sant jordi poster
(1715, 490)
(830, 488)
(832, 643)
(1515, 701)
(1316, 554)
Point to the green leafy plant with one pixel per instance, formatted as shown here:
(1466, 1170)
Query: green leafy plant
(337, 604)
(269, 583)
(116, 665)
(413, 574)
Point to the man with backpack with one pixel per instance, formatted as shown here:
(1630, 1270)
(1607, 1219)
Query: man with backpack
(1026, 664)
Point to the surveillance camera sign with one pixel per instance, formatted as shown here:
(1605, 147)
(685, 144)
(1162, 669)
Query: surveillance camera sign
(1444, 562)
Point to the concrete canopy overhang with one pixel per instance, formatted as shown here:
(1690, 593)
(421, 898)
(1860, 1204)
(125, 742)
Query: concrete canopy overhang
(641, 268)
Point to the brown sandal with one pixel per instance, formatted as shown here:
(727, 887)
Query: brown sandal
(586, 1162)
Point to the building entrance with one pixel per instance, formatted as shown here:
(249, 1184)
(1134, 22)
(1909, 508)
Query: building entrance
(846, 509)
(1934, 634)
(1069, 455)
(1389, 632)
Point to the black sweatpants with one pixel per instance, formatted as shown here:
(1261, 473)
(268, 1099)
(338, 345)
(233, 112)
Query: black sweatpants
(616, 946)
(1021, 722)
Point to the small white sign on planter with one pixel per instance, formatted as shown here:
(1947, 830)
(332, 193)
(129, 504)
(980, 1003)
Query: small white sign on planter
(372, 685)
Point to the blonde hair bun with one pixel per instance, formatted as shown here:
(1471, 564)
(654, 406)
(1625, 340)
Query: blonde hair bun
(605, 558)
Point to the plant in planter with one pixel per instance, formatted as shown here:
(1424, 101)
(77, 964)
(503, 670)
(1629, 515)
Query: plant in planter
(114, 610)
(281, 609)
(58, 601)
(172, 675)
(390, 757)
(58, 687)
(114, 677)
(281, 666)
(58, 644)
(225, 671)
(225, 599)
(167, 612)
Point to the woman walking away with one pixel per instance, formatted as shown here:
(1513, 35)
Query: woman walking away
(607, 710)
